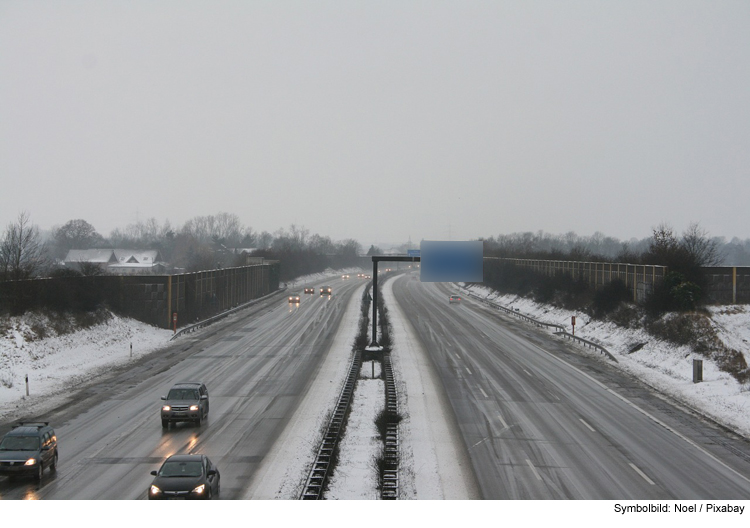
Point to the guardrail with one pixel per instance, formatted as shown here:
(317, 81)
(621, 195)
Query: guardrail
(586, 342)
(327, 451)
(515, 313)
(560, 329)
(222, 315)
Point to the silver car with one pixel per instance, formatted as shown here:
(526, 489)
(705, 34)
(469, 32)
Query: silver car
(186, 402)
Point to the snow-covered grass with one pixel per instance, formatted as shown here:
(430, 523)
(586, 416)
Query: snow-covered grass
(664, 366)
(356, 475)
(57, 361)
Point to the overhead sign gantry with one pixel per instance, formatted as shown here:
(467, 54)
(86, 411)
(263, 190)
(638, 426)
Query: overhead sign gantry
(440, 261)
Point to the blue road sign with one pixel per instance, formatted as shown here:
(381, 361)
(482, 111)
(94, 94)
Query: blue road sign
(453, 261)
(412, 252)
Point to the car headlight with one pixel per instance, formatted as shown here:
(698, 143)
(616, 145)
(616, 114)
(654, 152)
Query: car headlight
(199, 489)
(193, 407)
(154, 490)
(30, 462)
(166, 408)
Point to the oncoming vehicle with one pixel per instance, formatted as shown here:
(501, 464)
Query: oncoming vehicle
(309, 290)
(325, 290)
(294, 298)
(344, 277)
(186, 402)
(186, 477)
(27, 449)
(454, 299)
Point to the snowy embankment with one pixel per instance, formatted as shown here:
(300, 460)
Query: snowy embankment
(664, 366)
(54, 363)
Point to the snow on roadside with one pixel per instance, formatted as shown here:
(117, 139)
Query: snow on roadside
(55, 362)
(356, 475)
(664, 366)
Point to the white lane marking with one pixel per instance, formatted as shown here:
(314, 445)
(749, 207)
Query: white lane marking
(467, 370)
(536, 473)
(642, 411)
(527, 372)
(641, 473)
(480, 442)
(457, 357)
(505, 425)
(587, 425)
(483, 393)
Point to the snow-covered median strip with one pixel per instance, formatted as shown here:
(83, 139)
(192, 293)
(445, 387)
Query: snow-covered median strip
(356, 474)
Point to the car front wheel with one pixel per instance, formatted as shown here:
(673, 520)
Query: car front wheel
(53, 465)
(39, 471)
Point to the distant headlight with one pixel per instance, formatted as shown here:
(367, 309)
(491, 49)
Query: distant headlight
(166, 408)
(199, 489)
(30, 462)
(154, 490)
(193, 407)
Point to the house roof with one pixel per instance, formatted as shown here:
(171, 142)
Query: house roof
(135, 256)
(98, 256)
(115, 257)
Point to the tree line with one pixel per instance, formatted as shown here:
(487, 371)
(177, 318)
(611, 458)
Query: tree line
(686, 256)
(201, 243)
(602, 248)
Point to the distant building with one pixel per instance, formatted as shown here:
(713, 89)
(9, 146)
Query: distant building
(117, 261)
(247, 253)
(76, 258)
(131, 262)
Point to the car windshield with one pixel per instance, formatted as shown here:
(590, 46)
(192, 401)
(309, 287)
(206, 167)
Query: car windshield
(20, 443)
(183, 394)
(181, 469)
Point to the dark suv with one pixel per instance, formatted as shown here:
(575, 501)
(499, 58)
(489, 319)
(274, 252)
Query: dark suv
(186, 402)
(27, 449)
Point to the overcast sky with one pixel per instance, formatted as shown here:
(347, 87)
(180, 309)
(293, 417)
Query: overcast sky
(377, 120)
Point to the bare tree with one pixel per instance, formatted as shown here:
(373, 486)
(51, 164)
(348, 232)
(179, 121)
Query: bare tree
(21, 252)
(704, 251)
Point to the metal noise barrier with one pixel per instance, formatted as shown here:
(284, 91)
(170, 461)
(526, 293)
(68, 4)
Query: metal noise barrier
(320, 471)
(389, 488)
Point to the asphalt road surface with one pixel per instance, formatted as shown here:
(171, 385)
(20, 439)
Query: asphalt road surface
(256, 365)
(540, 420)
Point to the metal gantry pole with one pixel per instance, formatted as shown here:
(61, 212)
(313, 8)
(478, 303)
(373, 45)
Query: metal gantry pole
(374, 342)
